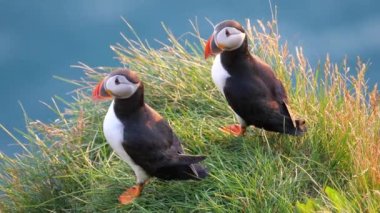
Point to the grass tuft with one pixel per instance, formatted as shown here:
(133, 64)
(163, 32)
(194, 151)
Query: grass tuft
(67, 165)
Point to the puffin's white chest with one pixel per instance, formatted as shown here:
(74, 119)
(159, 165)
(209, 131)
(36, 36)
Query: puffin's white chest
(219, 74)
(113, 131)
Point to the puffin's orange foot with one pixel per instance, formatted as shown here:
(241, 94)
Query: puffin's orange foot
(130, 194)
(235, 129)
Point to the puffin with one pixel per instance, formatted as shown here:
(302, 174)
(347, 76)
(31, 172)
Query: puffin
(141, 136)
(249, 84)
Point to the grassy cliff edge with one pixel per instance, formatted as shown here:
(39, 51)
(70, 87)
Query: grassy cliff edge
(67, 165)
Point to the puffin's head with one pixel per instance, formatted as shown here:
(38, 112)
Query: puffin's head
(227, 36)
(121, 84)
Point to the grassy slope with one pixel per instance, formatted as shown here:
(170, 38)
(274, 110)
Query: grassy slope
(68, 166)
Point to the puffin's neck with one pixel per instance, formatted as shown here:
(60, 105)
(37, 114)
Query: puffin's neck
(229, 57)
(128, 106)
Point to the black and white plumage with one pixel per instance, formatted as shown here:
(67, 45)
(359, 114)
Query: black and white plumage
(140, 136)
(249, 85)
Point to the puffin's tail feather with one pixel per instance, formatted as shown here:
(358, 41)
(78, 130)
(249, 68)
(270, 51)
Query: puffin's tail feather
(186, 168)
(199, 171)
(300, 127)
(182, 172)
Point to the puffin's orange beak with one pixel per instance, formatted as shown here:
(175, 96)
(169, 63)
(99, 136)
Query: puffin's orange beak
(211, 48)
(99, 92)
(208, 51)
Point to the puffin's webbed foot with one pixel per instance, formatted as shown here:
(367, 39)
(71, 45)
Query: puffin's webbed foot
(130, 194)
(234, 129)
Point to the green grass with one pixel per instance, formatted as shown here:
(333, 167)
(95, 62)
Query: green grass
(67, 165)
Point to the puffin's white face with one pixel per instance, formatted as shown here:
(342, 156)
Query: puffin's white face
(228, 35)
(229, 38)
(120, 87)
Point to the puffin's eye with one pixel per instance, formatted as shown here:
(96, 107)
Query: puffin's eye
(228, 33)
(117, 82)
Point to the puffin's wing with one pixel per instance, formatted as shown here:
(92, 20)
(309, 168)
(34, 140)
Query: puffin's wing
(170, 165)
(266, 75)
(160, 153)
(275, 86)
(174, 155)
(177, 145)
(179, 165)
(196, 169)
(279, 91)
(282, 99)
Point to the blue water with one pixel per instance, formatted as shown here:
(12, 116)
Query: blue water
(39, 39)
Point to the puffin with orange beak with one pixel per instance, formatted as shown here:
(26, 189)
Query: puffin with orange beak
(140, 136)
(252, 90)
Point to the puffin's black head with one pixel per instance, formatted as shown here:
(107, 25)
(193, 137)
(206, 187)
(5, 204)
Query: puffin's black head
(121, 84)
(228, 35)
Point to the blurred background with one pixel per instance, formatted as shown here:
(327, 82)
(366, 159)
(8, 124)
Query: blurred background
(40, 39)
